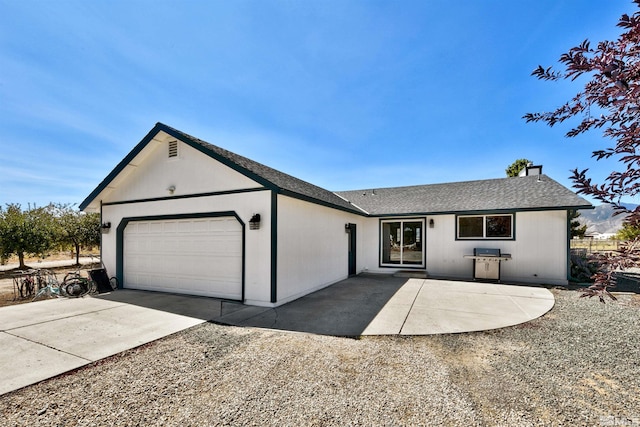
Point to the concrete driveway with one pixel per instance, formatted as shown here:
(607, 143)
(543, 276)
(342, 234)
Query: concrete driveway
(42, 339)
(47, 338)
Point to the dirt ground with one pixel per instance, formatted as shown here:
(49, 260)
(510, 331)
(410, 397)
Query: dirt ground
(8, 292)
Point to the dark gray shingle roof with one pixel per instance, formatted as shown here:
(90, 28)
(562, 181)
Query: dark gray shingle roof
(521, 193)
(533, 192)
(264, 173)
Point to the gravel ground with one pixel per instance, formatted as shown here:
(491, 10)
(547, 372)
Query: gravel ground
(577, 365)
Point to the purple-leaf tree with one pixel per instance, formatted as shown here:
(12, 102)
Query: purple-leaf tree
(609, 101)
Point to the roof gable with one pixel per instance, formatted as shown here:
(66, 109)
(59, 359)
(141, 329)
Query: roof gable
(264, 175)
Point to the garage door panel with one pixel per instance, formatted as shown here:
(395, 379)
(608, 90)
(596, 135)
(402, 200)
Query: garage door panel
(187, 285)
(192, 286)
(194, 256)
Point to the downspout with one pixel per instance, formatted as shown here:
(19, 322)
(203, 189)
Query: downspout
(568, 246)
(274, 246)
(101, 222)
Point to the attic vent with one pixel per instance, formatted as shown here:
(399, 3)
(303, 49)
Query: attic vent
(173, 149)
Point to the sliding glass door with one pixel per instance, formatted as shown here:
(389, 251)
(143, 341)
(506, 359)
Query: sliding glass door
(402, 242)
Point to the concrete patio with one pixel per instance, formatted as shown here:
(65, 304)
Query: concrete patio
(371, 304)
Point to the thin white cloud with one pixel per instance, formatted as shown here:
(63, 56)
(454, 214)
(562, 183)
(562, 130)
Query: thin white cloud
(341, 94)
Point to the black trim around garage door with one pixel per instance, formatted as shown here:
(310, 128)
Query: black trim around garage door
(125, 221)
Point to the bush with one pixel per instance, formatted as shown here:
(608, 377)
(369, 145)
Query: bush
(582, 268)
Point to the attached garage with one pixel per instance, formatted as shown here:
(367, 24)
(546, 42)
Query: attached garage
(187, 255)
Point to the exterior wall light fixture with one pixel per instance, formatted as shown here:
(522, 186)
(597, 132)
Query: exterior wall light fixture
(105, 227)
(254, 222)
(347, 228)
(171, 189)
(431, 223)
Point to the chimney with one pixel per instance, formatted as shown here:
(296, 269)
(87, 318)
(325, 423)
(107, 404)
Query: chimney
(530, 169)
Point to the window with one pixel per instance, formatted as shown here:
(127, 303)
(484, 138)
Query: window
(402, 243)
(485, 227)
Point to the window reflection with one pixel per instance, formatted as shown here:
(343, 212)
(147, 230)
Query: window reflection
(485, 226)
(402, 242)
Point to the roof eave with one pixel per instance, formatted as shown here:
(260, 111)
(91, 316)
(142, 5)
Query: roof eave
(485, 211)
(120, 166)
(355, 210)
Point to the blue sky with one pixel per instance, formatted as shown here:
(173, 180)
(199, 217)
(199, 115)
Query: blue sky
(344, 94)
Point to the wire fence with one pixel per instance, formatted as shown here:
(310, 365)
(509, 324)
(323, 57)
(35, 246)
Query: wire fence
(582, 269)
(589, 246)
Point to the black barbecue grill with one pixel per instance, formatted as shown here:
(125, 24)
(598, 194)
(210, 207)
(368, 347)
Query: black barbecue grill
(486, 263)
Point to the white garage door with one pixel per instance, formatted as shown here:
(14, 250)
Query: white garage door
(198, 256)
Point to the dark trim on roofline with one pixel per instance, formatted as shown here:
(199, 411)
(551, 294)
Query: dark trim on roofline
(224, 160)
(160, 127)
(304, 198)
(200, 146)
(484, 211)
(125, 221)
(251, 175)
(186, 196)
(119, 167)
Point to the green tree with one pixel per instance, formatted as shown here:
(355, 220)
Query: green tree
(628, 232)
(515, 167)
(577, 230)
(26, 232)
(82, 230)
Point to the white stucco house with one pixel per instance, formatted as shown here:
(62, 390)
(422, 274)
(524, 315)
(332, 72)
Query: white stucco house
(184, 216)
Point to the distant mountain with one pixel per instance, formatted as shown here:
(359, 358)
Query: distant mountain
(601, 219)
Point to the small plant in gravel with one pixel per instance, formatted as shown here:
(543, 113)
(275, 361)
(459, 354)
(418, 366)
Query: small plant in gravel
(582, 268)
